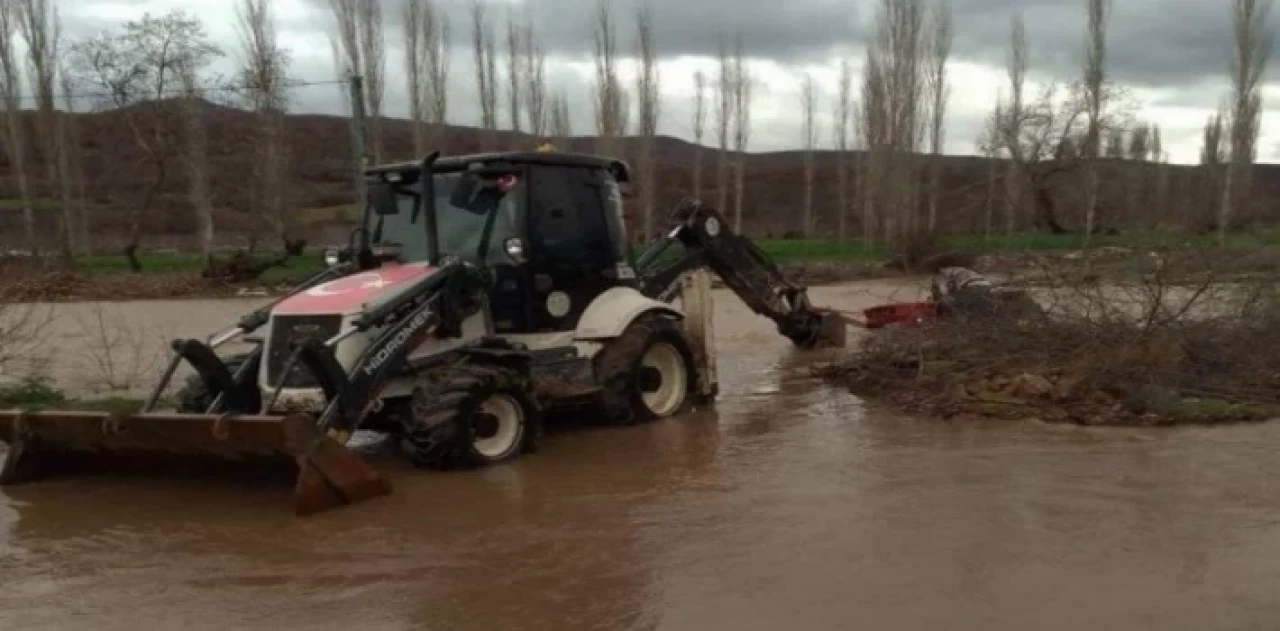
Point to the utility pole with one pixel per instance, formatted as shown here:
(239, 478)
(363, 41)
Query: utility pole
(358, 132)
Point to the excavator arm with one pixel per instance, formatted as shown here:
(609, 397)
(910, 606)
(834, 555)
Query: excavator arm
(700, 238)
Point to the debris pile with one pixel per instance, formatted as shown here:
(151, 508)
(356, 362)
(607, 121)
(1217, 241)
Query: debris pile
(1082, 368)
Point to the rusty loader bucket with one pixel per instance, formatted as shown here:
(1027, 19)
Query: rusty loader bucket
(42, 444)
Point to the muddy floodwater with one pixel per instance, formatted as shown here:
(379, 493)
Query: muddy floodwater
(789, 505)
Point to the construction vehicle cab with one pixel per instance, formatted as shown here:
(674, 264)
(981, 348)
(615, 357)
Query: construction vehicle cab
(479, 294)
(548, 226)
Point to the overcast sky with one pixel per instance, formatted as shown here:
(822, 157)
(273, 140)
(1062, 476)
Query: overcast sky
(1172, 53)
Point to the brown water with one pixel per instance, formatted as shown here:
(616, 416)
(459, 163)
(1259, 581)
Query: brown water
(787, 506)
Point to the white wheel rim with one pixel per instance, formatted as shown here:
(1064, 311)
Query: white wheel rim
(670, 365)
(510, 417)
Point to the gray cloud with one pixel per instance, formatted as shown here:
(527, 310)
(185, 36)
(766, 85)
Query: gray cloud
(1175, 49)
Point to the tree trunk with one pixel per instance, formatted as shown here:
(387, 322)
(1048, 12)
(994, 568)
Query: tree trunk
(807, 229)
(842, 195)
(65, 195)
(739, 190)
(1224, 209)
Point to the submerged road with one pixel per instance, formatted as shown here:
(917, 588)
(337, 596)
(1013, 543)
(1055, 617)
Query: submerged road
(789, 505)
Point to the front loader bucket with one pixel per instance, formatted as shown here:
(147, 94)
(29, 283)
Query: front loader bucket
(41, 444)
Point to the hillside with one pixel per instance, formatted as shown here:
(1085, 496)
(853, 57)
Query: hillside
(117, 176)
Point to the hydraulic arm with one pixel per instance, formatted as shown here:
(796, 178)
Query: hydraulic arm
(701, 238)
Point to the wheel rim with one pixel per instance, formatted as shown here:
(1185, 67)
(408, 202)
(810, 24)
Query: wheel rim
(674, 375)
(509, 426)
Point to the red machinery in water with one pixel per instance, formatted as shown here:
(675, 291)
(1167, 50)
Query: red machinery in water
(906, 313)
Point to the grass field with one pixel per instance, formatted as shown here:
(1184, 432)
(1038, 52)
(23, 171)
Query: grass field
(782, 250)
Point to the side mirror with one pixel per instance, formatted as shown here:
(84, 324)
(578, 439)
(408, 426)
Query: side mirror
(480, 191)
(384, 199)
(464, 190)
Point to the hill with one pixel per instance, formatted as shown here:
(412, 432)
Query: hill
(117, 176)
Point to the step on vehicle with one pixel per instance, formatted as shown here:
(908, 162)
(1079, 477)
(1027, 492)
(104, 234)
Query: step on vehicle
(479, 295)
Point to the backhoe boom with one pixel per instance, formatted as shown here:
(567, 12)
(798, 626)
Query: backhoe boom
(702, 239)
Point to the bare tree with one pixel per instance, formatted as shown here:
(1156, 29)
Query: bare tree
(197, 158)
(72, 162)
(415, 66)
(742, 92)
(1160, 208)
(42, 32)
(872, 130)
(610, 99)
(724, 117)
(515, 68)
(361, 50)
(1248, 65)
(135, 69)
(436, 26)
(426, 34)
(373, 53)
(940, 37)
(843, 117)
(648, 93)
(1212, 151)
(559, 121)
(482, 51)
(535, 82)
(809, 135)
(989, 146)
(1050, 139)
(1094, 80)
(14, 138)
(699, 128)
(895, 61)
(1213, 155)
(264, 71)
(345, 40)
(1012, 116)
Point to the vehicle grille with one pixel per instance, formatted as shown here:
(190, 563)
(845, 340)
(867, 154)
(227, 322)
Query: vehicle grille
(285, 329)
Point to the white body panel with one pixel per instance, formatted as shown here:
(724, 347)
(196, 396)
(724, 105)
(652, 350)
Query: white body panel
(609, 314)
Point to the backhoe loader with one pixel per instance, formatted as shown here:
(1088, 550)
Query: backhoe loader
(479, 295)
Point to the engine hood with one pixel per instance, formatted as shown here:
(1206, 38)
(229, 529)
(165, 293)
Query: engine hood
(348, 294)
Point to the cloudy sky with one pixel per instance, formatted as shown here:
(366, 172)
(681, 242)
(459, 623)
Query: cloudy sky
(1171, 53)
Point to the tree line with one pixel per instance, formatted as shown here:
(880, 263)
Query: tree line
(888, 124)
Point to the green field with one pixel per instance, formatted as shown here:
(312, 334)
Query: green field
(782, 250)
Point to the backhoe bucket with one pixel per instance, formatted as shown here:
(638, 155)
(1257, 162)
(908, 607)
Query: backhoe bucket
(833, 332)
(44, 443)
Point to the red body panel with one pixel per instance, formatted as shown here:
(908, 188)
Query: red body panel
(347, 294)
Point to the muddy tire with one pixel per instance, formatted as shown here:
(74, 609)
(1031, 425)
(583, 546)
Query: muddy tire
(647, 373)
(470, 415)
(193, 397)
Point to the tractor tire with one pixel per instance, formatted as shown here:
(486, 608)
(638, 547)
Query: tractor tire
(193, 397)
(470, 415)
(652, 344)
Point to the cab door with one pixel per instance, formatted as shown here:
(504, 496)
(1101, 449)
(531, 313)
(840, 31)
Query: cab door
(572, 257)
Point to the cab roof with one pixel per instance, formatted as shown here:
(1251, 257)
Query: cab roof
(617, 168)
